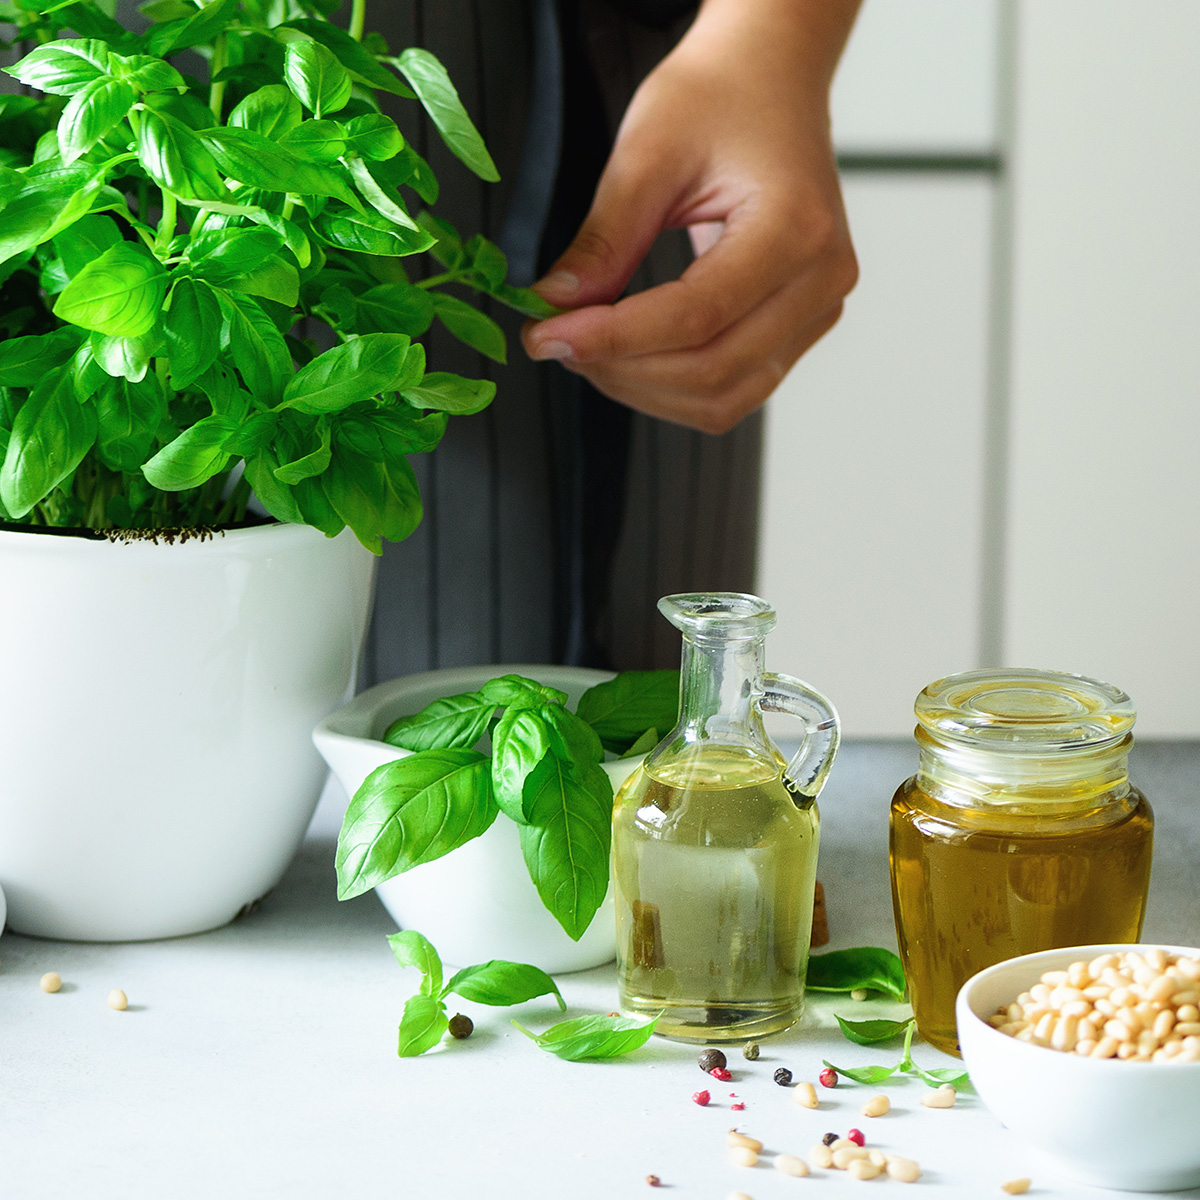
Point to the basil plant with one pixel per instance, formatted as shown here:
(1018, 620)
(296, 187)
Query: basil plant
(204, 291)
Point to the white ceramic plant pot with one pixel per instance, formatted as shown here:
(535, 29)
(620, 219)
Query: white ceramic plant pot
(476, 903)
(156, 706)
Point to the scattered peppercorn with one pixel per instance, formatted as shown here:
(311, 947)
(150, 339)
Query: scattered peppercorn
(721, 1073)
(829, 1139)
(750, 1051)
(701, 1098)
(654, 1181)
(856, 1136)
(711, 1058)
(461, 1026)
(783, 1077)
(828, 1077)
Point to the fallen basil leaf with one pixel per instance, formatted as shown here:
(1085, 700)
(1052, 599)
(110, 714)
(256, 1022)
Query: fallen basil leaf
(867, 1033)
(502, 983)
(869, 967)
(865, 1074)
(422, 1026)
(413, 949)
(592, 1037)
(941, 1075)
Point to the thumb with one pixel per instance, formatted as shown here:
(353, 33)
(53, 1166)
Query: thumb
(628, 212)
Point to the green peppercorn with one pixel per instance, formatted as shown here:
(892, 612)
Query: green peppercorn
(711, 1059)
(750, 1051)
(461, 1026)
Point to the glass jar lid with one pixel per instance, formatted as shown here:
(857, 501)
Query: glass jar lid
(1023, 711)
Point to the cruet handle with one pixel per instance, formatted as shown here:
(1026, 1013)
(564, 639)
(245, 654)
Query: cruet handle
(810, 765)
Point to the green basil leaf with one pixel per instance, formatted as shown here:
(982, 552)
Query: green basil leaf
(202, 26)
(865, 1074)
(487, 260)
(92, 112)
(867, 1033)
(376, 196)
(271, 112)
(524, 300)
(500, 983)
(276, 497)
(347, 374)
(175, 158)
(305, 467)
(187, 109)
(62, 68)
(319, 81)
(566, 843)
(571, 738)
(593, 1037)
(376, 499)
(191, 327)
(128, 415)
(120, 293)
(469, 325)
(956, 1078)
(358, 61)
(621, 709)
(422, 1026)
(520, 741)
(192, 458)
(644, 744)
(453, 721)
(261, 163)
(413, 949)
(220, 255)
(429, 80)
(394, 308)
(406, 169)
(515, 691)
(259, 350)
(51, 200)
(87, 239)
(167, 10)
(275, 280)
(317, 141)
(126, 357)
(26, 361)
(409, 812)
(148, 74)
(451, 393)
(868, 967)
(368, 233)
(373, 136)
(51, 433)
(293, 236)
(404, 432)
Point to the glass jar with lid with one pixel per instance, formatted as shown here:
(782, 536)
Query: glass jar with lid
(1019, 832)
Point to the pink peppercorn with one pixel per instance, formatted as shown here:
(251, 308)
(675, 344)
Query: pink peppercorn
(738, 1107)
(856, 1136)
(721, 1073)
(701, 1098)
(828, 1077)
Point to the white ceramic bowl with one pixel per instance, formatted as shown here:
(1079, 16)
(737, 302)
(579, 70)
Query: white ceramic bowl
(477, 902)
(1105, 1122)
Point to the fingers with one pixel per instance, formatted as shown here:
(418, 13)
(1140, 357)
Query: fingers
(712, 388)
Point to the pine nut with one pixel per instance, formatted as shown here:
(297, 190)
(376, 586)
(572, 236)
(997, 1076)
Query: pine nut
(789, 1164)
(905, 1170)
(1188, 1028)
(878, 1158)
(877, 1106)
(845, 1155)
(117, 1000)
(1107, 1048)
(50, 982)
(1016, 1187)
(841, 1144)
(1187, 1012)
(862, 1168)
(733, 1138)
(1084, 1047)
(743, 1156)
(944, 1097)
(805, 1094)
(821, 1156)
(1054, 978)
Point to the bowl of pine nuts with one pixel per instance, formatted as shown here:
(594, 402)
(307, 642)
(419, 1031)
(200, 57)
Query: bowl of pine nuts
(1092, 1055)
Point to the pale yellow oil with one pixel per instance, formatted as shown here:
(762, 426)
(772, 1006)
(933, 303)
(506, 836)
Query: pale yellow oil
(715, 860)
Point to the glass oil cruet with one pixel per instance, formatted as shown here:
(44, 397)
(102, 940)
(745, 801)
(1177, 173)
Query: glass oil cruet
(715, 837)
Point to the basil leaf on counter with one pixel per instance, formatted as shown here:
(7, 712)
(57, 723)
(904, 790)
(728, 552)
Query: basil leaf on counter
(592, 1037)
(413, 949)
(622, 709)
(412, 811)
(865, 1074)
(867, 1033)
(941, 1075)
(869, 967)
(502, 983)
(422, 1026)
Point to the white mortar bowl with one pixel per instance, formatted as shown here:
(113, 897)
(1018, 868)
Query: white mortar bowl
(1104, 1122)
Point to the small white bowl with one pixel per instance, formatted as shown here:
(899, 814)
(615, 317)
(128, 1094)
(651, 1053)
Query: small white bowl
(1104, 1122)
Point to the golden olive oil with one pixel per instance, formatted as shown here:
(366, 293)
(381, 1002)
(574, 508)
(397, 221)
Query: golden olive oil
(973, 887)
(715, 858)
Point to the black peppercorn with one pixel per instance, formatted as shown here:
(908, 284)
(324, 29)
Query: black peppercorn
(711, 1058)
(783, 1077)
(461, 1026)
(750, 1051)
(829, 1139)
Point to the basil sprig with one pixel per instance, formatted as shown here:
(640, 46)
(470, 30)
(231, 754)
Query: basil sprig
(544, 774)
(585, 1038)
(869, 1032)
(498, 982)
(870, 968)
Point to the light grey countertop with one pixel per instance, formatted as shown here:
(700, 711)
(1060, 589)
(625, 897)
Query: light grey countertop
(259, 1060)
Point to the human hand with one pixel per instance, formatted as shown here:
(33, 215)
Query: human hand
(729, 137)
